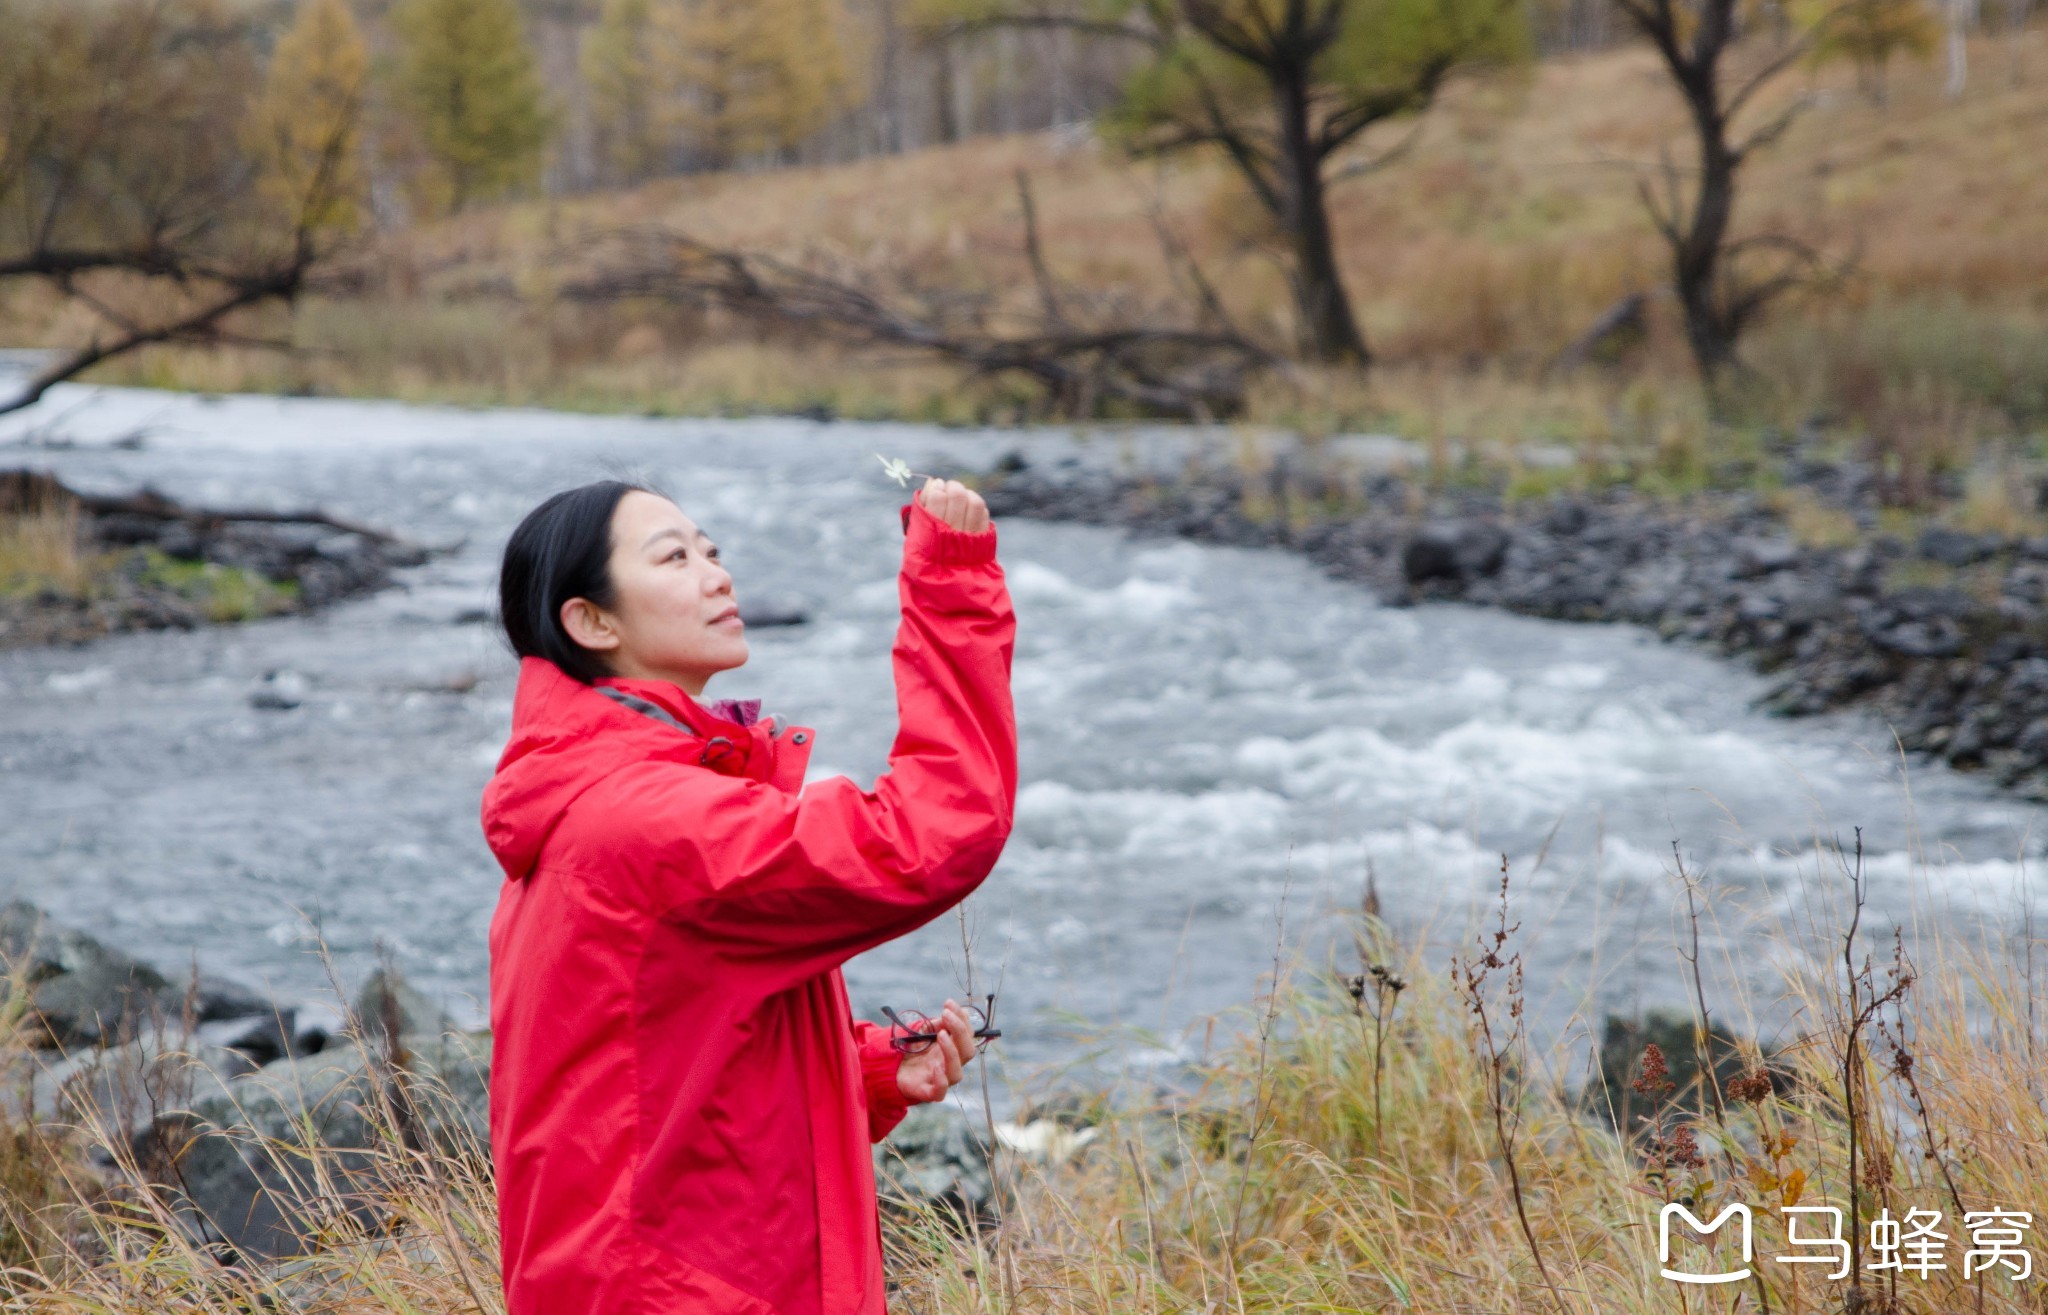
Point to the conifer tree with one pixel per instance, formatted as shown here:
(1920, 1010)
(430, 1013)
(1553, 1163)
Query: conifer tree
(1868, 33)
(304, 129)
(471, 83)
(748, 77)
(619, 68)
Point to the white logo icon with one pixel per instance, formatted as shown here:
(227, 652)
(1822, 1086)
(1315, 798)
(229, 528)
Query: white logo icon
(1664, 1241)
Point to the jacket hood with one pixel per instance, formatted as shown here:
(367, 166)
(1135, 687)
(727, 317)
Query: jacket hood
(568, 736)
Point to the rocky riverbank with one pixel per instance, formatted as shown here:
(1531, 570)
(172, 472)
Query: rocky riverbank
(208, 1093)
(74, 567)
(1943, 633)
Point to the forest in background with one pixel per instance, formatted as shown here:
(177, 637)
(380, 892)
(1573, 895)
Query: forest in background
(1656, 231)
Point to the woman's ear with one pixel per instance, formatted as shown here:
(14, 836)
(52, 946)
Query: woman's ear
(589, 625)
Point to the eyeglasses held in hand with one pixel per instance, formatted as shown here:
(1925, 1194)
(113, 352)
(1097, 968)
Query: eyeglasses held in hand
(912, 1033)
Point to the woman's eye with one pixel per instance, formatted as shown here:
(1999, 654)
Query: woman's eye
(680, 552)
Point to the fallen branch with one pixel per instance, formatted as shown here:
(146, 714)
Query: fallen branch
(30, 491)
(1080, 370)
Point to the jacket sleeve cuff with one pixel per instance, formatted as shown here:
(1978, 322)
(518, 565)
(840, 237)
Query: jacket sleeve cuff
(878, 1063)
(932, 539)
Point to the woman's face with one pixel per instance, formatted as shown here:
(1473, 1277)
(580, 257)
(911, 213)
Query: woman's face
(673, 616)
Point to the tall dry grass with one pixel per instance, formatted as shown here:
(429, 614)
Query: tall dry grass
(92, 1218)
(1439, 1164)
(1386, 1141)
(42, 548)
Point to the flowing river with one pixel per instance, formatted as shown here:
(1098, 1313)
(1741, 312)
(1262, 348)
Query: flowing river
(1216, 743)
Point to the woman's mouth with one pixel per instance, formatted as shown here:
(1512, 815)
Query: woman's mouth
(730, 616)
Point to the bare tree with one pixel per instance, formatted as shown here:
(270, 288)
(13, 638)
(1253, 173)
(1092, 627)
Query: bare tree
(1724, 283)
(133, 182)
(1281, 88)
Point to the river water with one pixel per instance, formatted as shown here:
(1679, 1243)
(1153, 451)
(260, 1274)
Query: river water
(1216, 743)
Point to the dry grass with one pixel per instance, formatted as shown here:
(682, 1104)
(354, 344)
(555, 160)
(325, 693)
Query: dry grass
(1337, 1164)
(42, 549)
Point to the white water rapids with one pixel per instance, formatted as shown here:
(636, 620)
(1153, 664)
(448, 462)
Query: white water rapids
(1205, 732)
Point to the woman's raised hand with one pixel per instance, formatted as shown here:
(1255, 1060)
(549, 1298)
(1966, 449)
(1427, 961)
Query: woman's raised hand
(955, 504)
(936, 1070)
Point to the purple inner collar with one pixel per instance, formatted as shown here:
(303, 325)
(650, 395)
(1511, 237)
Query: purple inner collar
(743, 711)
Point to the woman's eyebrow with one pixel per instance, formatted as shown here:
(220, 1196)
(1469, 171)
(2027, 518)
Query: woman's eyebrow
(671, 532)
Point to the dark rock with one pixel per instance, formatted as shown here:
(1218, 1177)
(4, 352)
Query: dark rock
(2007, 649)
(127, 530)
(280, 691)
(1761, 556)
(182, 542)
(1757, 605)
(937, 1157)
(774, 611)
(1967, 745)
(1566, 517)
(1454, 550)
(237, 1151)
(215, 998)
(1952, 547)
(263, 1037)
(81, 992)
(122, 1088)
(387, 996)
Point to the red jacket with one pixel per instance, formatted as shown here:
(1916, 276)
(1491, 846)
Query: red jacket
(681, 1099)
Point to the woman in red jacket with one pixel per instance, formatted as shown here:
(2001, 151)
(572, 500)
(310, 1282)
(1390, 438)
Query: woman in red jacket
(681, 1100)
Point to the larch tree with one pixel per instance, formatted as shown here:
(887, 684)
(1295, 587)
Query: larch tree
(1869, 34)
(1281, 90)
(129, 192)
(743, 78)
(619, 68)
(305, 129)
(472, 85)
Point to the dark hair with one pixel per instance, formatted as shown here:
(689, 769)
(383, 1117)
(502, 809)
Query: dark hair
(562, 550)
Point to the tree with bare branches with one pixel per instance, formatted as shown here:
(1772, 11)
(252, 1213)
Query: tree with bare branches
(144, 185)
(1720, 57)
(1282, 89)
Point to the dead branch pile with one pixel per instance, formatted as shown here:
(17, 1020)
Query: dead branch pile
(1084, 356)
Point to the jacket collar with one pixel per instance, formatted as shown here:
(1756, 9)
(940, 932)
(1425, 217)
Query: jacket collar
(737, 739)
(567, 736)
(721, 717)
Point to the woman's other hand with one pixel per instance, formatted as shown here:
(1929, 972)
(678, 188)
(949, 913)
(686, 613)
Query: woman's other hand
(955, 504)
(929, 1075)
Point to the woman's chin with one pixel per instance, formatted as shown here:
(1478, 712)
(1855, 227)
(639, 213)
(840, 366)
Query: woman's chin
(729, 658)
